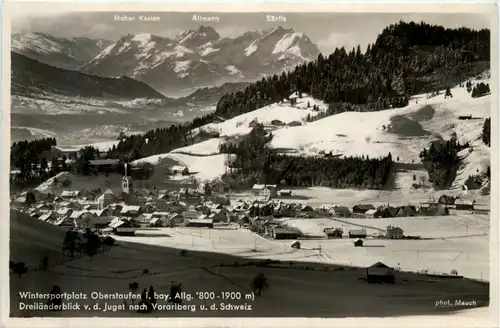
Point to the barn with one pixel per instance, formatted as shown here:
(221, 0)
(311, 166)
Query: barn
(340, 212)
(370, 214)
(464, 205)
(285, 233)
(407, 211)
(104, 165)
(285, 192)
(123, 228)
(333, 232)
(362, 208)
(379, 272)
(358, 243)
(200, 223)
(357, 233)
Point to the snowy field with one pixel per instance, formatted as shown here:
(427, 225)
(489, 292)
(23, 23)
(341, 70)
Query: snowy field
(79, 182)
(300, 292)
(407, 130)
(285, 112)
(456, 242)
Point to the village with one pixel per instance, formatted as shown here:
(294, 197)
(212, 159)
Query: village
(264, 213)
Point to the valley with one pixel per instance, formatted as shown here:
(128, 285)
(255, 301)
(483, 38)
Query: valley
(355, 184)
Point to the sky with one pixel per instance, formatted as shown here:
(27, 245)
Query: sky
(326, 30)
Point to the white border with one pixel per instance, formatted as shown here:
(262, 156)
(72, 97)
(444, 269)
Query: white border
(486, 318)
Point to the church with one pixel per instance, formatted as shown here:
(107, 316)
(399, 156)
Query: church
(128, 195)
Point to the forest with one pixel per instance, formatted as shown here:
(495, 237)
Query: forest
(161, 140)
(406, 59)
(254, 162)
(441, 161)
(27, 157)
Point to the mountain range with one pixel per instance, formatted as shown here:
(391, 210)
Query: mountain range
(56, 51)
(175, 66)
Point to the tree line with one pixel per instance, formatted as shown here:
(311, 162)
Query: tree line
(480, 90)
(161, 140)
(486, 135)
(255, 162)
(406, 58)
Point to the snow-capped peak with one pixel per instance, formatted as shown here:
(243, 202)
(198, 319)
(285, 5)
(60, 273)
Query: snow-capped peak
(142, 37)
(68, 53)
(163, 63)
(195, 38)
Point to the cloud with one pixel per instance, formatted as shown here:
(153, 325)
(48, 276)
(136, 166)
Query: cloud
(338, 40)
(231, 31)
(171, 32)
(100, 30)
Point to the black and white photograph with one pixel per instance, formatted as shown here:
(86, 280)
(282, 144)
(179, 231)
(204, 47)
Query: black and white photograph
(183, 164)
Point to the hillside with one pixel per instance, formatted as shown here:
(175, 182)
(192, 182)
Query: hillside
(403, 132)
(31, 239)
(30, 77)
(405, 59)
(56, 51)
(201, 57)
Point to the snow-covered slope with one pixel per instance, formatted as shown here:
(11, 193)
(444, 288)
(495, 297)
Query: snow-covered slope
(197, 58)
(284, 112)
(204, 159)
(403, 132)
(56, 51)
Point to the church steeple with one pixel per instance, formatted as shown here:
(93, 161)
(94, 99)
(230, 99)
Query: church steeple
(127, 187)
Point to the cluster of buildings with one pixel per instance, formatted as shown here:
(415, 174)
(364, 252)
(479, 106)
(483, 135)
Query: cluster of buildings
(125, 211)
(263, 218)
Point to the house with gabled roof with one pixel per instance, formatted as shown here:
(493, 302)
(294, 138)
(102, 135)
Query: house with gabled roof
(70, 194)
(264, 191)
(340, 212)
(131, 210)
(357, 233)
(362, 208)
(64, 211)
(333, 232)
(393, 232)
(379, 272)
(464, 205)
(370, 214)
(106, 199)
(47, 217)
